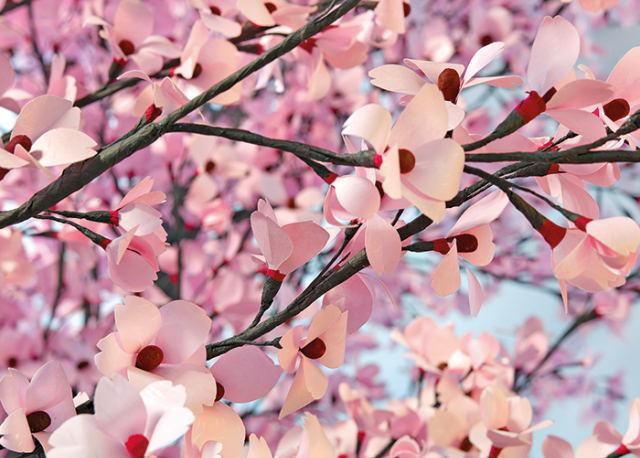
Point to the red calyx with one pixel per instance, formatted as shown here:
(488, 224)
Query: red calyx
(114, 217)
(553, 168)
(622, 450)
(581, 223)
(308, 44)
(552, 233)
(104, 243)
(149, 358)
(330, 178)
(152, 113)
(137, 445)
(494, 452)
(377, 160)
(361, 436)
(531, 107)
(314, 349)
(276, 275)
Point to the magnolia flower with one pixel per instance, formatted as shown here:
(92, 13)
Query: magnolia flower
(38, 407)
(325, 343)
(450, 78)
(46, 134)
(135, 211)
(417, 162)
(471, 239)
(127, 423)
(130, 37)
(153, 344)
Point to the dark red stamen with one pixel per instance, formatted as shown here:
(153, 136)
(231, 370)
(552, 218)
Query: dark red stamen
(21, 140)
(449, 84)
(407, 160)
(137, 445)
(219, 392)
(38, 421)
(314, 349)
(465, 243)
(616, 109)
(149, 358)
(127, 47)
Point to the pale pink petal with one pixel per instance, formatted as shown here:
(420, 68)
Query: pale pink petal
(620, 233)
(432, 70)
(290, 342)
(372, 123)
(520, 414)
(633, 430)
(555, 447)
(553, 53)
(484, 211)
(246, 373)
(438, 169)
(256, 12)
(323, 321)
(396, 78)
(624, 78)
(132, 273)
(16, 434)
(185, 326)
(63, 146)
(357, 195)
(353, 296)
(133, 21)
(142, 216)
(258, 448)
(119, 408)
(580, 94)
(318, 446)
(138, 322)
(148, 62)
(308, 385)
(494, 408)
(483, 255)
(157, 44)
(319, 77)
(142, 193)
(13, 391)
(432, 208)
(572, 255)
(390, 169)
(11, 161)
(226, 27)
(383, 244)
(112, 359)
(6, 74)
(45, 113)
(49, 390)
(507, 82)
(475, 292)
(275, 244)
(483, 57)
(308, 240)
(423, 120)
(335, 338)
(80, 437)
(606, 433)
(445, 280)
(502, 439)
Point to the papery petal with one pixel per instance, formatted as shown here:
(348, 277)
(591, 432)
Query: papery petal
(112, 359)
(45, 113)
(138, 322)
(423, 120)
(357, 195)
(319, 446)
(371, 123)
(445, 280)
(185, 326)
(275, 244)
(383, 244)
(80, 437)
(623, 77)
(258, 448)
(142, 193)
(481, 59)
(308, 385)
(553, 53)
(432, 70)
(619, 233)
(580, 94)
(484, 211)
(16, 434)
(49, 390)
(256, 12)
(119, 409)
(13, 391)
(390, 169)
(319, 77)
(555, 447)
(246, 373)
(133, 21)
(308, 240)
(354, 296)
(475, 292)
(396, 78)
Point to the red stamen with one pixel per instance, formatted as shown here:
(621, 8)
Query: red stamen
(617, 109)
(441, 246)
(449, 84)
(137, 445)
(314, 349)
(466, 243)
(149, 358)
(407, 160)
(38, 421)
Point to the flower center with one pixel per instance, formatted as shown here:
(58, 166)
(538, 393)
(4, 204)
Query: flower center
(149, 358)
(486, 40)
(38, 421)
(210, 167)
(21, 140)
(407, 160)
(314, 349)
(215, 10)
(616, 109)
(550, 93)
(137, 445)
(449, 84)
(270, 7)
(380, 188)
(82, 365)
(466, 243)
(219, 392)
(127, 47)
(406, 9)
(196, 71)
